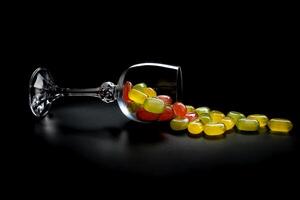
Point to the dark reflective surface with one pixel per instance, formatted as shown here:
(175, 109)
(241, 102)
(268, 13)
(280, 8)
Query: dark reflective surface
(101, 136)
(243, 63)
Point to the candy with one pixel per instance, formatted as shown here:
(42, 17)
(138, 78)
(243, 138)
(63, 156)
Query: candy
(228, 122)
(190, 108)
(137, 96)
(214, 129)
(133, 107)
(280, 125)
(126, 88)
(179, 124)
(150, 92)
(235, 116)
(204, 118)
(144, 102)
(167, 115)
(202, 110)
(216, 116)
(179, 109)
(167, 99)
(262, 119)
(195, 127)
(191, 116)
(144, 115)
(140, 87)
(245, 124)
(154, 105)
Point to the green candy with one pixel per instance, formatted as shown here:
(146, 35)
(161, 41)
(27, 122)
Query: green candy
(204, 118)
(202, 110)
(140, 87)
(133, 107)
(190, 108)
(179, 124)
(245, 124)
(235, 116)
(154, 105)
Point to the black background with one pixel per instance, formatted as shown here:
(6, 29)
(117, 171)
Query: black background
(246, 64)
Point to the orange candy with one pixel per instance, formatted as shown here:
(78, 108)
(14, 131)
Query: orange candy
(167, 115)
(191, 116)
(179, 109)
(126, 88)
(144, 115)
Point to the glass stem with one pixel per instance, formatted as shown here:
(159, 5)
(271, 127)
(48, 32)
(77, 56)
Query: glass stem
(88, 92)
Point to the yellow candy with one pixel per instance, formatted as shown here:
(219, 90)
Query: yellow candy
(228, 122)
(154, 105)
(235, 116)
(245, 124)
(190, 108)
(216, 116)
(214, 129)
(204, 118)
(262, 119)
(280, 125)
(195, 127)
(137, 96)
(150, 92)
(202, 110)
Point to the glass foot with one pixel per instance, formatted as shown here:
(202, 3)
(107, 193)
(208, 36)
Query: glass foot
(42, 92)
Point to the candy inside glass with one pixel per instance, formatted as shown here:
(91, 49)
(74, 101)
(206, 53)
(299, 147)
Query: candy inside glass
(164, 79)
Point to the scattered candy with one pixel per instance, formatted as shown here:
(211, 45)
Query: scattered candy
(191, 116)
(235, 116)
(144, 102)
(195, 128)
(204, 118)
(216, 116)
(190, 108)
(202, 110)
(262, 119)
(179, 109)
(245, 124)
(214, 129)
(179, 124)
(280, 125)
(228, 122)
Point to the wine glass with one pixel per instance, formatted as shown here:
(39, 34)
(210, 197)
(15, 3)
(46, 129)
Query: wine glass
(163, 79)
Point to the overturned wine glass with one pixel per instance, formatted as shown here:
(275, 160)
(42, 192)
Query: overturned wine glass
(149, 80)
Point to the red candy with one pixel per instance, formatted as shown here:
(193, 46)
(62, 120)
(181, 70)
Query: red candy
(126, 88)
(167, 115)
(144, 115)
(191, 116)
(166, 99)
(179, 109)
